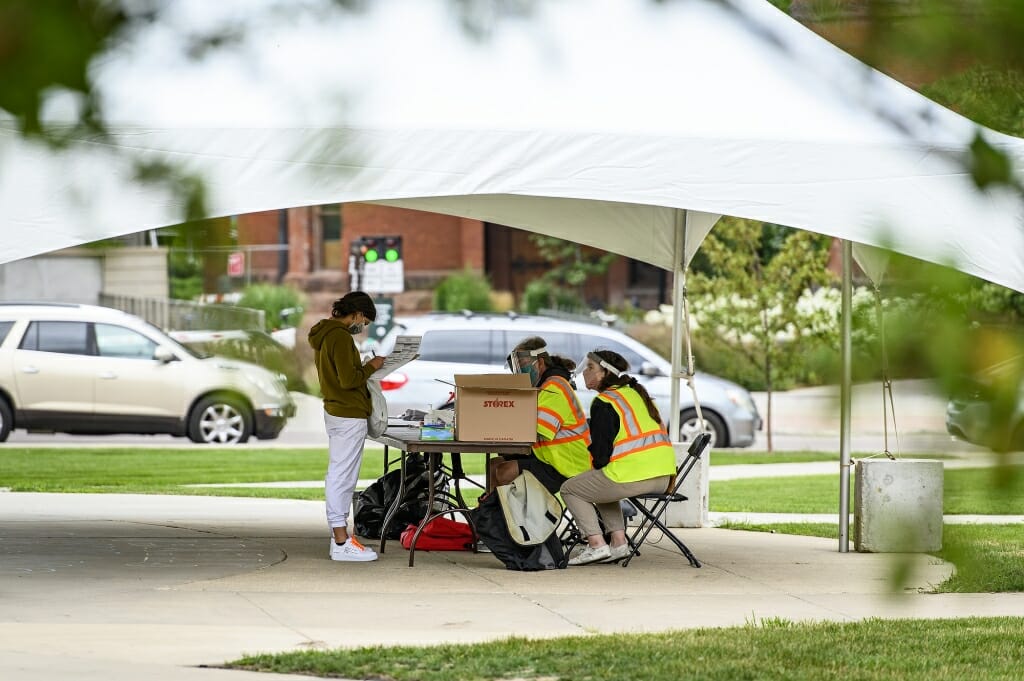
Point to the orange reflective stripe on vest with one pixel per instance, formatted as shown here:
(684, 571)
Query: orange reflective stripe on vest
(561, 420)
(641, 449)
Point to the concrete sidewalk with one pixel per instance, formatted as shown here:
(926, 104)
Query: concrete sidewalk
(135, 586)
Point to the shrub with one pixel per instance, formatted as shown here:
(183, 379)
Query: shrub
(273, 300)
(541, 294)
(466, 290)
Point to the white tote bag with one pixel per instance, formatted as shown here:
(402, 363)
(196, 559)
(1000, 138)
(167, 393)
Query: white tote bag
(378, 421)
(531, 512)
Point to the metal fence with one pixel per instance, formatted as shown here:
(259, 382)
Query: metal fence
(184, 315)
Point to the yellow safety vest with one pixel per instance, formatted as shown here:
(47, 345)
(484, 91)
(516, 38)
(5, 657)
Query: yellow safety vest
(641, 450)
(563, 424)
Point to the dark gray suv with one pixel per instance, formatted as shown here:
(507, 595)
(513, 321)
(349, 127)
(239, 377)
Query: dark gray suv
(478, 343)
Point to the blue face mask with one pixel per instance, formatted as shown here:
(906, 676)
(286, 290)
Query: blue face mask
(531, 371)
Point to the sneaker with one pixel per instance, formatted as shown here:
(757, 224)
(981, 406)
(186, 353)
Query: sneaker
(620, 552)
(591, 555)
(482, 547)
(352, 551)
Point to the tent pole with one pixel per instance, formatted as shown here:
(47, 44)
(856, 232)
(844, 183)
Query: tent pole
(678, 293)
(845, 400)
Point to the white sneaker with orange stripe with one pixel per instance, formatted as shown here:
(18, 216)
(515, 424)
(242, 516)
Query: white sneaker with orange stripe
(352, 551)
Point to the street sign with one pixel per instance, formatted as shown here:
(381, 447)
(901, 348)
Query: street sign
(236, 264)
(385, 319)
(383, 277)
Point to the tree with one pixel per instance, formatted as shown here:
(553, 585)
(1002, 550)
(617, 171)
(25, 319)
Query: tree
(569, 267)
(747, 295)
(970, 56)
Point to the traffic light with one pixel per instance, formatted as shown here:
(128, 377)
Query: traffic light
(392, 248)
(379, 248)
(376, 265)
(369, 249)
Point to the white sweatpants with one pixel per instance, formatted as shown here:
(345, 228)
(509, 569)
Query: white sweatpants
(345, 440)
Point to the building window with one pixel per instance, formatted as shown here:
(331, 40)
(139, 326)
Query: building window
(330, 237)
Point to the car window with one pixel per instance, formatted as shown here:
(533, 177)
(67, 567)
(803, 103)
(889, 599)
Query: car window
(5, 328)
(463, 346)
(558, 343)
(117, 341)
(70, 338)
(634, 358)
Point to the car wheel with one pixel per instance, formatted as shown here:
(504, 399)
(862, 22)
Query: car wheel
(6, 420)
(220, 420)
(689, 427)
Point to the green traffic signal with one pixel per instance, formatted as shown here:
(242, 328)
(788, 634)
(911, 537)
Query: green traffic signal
(391, 255)
(371, 255)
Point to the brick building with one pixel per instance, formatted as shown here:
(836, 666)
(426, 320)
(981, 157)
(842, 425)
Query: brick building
(309, 248)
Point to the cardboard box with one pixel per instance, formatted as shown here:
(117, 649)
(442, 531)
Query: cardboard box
(495, 408)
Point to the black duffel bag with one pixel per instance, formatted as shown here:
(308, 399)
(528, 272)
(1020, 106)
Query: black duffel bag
(492, 529)
(372, 504)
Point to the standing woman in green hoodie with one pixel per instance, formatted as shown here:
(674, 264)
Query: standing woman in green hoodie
(343, 379)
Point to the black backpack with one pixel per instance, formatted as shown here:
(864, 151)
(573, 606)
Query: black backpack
(489, 522)
(372, 504)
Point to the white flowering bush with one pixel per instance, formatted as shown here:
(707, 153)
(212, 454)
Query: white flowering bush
(815, 321)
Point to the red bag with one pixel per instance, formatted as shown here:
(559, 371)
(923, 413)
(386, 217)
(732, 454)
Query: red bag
(441, 534)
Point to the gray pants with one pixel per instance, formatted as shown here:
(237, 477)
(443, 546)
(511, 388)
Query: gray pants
(593, 488)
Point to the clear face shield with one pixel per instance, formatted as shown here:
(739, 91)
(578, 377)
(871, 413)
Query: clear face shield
(525, 362)
(593, 361)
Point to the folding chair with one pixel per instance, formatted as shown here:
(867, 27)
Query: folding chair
(652, 517)
(570, 534)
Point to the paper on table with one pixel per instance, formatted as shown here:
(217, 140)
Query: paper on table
(407, 348)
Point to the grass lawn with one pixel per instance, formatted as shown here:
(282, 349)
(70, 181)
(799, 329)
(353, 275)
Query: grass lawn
(872, 650)
(732, 457)
(988, 558)
(965, 491)
(161, 471)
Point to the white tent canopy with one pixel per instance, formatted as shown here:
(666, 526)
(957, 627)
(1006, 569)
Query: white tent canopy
(630, 127)
(593, 121)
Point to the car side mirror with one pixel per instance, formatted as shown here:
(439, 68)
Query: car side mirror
(163, 354)
(649, 369)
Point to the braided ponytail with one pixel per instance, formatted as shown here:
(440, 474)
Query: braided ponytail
(610, 380)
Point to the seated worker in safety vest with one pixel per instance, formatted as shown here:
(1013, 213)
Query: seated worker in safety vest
(562, 432)
(631, 455)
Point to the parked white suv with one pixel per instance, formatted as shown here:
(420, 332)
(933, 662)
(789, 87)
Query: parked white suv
(94, 370)
(478, 343)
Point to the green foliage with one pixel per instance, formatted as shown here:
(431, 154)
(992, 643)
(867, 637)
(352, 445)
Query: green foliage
(48, 46)
(989, 95)
(185, 275)
(942, 324)
(188, 242)
(769, 649)
(747, 297)
(987, 558)
(165, 471)
(721, 358)
(466, 290)
(541, 293)
(986, 491)
(272, 300)
(570, 265)
(942, 36)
